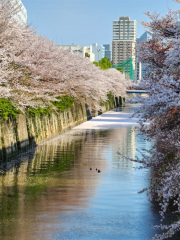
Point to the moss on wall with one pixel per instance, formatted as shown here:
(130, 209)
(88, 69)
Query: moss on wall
(7, 109)
(38, 112)
(64, 102)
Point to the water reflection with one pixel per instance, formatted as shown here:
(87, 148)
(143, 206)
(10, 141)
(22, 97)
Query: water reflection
(55, 195)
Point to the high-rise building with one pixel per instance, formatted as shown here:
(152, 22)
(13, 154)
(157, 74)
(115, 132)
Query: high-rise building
(124, 41)
(145, 37)
(108, 51)
(144, 67)
(99, 51)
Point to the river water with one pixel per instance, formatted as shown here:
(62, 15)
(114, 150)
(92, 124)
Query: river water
(50, 193)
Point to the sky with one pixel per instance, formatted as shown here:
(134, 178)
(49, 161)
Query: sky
(84, 22)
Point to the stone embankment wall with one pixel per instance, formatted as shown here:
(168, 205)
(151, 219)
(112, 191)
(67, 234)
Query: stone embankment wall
(17, 135)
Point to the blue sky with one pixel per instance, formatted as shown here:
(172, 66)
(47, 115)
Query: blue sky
(85, 22)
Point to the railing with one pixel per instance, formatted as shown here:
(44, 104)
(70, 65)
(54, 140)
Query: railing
(136, 91)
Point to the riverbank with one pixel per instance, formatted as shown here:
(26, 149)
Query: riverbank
(21, 133)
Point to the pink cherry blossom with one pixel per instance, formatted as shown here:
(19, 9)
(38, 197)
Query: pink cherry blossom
(34, 70)
(162, 108)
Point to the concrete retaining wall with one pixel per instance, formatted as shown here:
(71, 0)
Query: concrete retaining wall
(17, 135)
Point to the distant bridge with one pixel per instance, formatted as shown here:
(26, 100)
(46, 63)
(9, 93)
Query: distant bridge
(136, 91)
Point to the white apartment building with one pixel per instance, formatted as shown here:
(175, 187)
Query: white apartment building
(99, 51)
(21, 15)
(85, 51)
(124, 41)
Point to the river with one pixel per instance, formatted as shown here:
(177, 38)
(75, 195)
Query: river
(50, 193)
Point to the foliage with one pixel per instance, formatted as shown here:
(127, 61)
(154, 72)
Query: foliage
(104, 63)
(64, 102)
(7, 109)
(37, 112)
(162, 108)
(120, 69)
(110, 96)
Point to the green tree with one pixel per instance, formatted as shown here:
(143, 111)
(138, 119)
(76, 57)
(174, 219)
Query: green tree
(120, 69)
(104, 63)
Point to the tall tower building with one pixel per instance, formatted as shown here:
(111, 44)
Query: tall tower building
(108, 51)
(144, 38)
(124, 41)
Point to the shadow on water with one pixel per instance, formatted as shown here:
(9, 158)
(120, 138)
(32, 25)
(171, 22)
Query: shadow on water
(53, 194)
(15, 162)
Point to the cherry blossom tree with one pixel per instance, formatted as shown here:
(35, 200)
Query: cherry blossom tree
(162, 109)
(34, 70)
